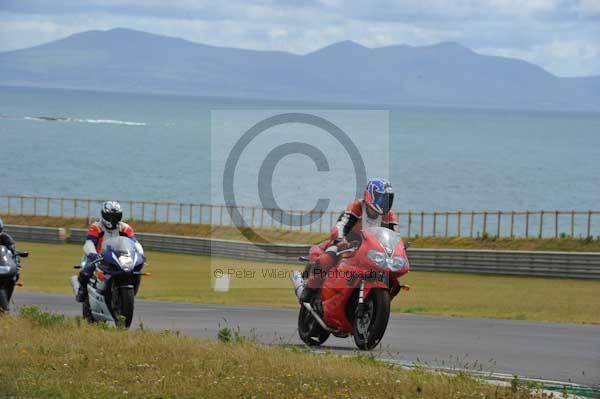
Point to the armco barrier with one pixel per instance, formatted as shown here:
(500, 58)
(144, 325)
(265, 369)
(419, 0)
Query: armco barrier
(214, 247)
(36, 234)
(525, 263)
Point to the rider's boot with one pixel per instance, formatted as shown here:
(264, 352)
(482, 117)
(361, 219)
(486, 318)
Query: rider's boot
(311, 275)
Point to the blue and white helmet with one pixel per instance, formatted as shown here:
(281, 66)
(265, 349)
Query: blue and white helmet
(379, 195)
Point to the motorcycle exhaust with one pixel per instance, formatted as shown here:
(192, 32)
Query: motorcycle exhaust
(74, 284)
(318, 318)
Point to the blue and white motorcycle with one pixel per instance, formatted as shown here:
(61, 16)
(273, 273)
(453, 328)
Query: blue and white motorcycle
(114, 282)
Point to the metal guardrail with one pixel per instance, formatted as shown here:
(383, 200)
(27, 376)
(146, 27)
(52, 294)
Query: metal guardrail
(522, 263)
(529, 224)
(53, 235)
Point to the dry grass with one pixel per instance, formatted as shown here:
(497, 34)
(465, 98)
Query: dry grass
(187, 278)
(282, 236)
(48, 356)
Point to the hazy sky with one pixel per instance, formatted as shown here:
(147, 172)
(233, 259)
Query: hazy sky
(562, 36)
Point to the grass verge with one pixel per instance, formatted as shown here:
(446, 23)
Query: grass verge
(44, 355)
(187, 278)
(297, 237)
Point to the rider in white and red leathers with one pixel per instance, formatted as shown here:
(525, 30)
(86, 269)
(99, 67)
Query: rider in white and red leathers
(110, 225)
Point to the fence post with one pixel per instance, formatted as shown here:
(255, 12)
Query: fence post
(541, 224)
(409, 223)
(21, 202)
(572, 223)
(589, 224)
(89, 205)
(446, 225)
(75, 208)
(498, 227)
(143, 211)
(8, 204)
(262, 217)
(485, 222)
(34, 206)
(253, 212)
(210, 214)
(62, 207)
(458, 223)
(321, 221)
(472, 224)
(512, 224)
(191, 215)
(48, 206)
(434, 223)
(555, 224)
(131, 210)
(422, 223)
(526, 224)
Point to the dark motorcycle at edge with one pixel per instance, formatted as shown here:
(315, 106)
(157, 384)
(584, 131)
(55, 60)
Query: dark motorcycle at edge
(9, 275)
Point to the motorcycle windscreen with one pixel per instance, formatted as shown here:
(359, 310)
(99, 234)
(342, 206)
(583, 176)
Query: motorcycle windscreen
(121, 246)
(388, 239)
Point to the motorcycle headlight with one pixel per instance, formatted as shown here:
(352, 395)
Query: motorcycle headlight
(126, 262)
(398, 262)
(377, 257)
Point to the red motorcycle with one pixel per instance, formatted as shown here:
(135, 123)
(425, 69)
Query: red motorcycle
(356, 294)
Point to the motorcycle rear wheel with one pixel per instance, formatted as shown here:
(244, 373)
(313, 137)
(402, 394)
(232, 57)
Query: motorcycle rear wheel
(86, 312)
(3, 300)
(309, 329)
(370, 324)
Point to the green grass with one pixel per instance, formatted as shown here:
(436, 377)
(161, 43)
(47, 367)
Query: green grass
(187, 278)
(282, 236)
(67, 358)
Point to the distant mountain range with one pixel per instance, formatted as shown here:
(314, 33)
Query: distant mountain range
(445, 74)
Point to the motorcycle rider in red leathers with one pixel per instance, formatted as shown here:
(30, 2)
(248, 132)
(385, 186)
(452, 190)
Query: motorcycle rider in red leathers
(374, 210)
(110, 225)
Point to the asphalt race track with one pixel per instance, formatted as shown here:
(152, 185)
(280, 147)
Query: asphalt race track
(560, 352)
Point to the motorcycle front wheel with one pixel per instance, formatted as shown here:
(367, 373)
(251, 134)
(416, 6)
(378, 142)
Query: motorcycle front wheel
(309, 329)
(123, 309)
(372, 319)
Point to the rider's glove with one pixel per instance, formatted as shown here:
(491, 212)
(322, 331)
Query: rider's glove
(342, 245)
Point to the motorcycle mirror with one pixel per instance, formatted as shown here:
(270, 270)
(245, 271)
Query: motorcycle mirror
(23, 254)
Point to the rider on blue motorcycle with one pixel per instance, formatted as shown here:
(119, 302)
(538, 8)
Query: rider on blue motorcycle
(110, 225)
